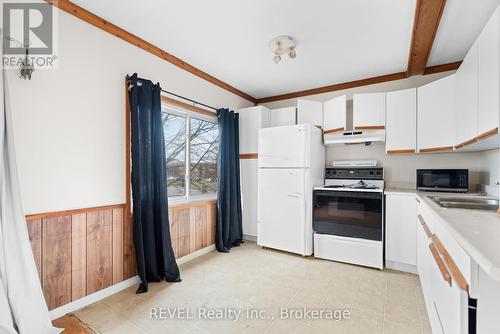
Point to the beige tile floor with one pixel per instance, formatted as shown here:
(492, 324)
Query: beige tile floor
(251, 278)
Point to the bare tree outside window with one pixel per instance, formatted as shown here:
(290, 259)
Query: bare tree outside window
(204, 147)
(202, 159)
(174, 128)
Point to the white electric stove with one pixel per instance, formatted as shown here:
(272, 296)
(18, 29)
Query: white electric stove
(348, 216)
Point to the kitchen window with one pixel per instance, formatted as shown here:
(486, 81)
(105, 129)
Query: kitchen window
(191, 148)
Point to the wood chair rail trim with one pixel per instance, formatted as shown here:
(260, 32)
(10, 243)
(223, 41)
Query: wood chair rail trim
(53, 214)
(249, 156)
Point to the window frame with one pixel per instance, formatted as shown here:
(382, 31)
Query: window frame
(188, 114)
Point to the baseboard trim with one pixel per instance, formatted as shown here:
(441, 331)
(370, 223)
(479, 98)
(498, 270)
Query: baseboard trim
(196, 254)
(407, 268)
(250, 237)
(92, 298)
(101, 294)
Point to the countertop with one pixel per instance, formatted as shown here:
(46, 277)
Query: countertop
(400, 191)
(476, 231)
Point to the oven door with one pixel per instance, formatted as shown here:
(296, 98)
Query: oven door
(353, 214)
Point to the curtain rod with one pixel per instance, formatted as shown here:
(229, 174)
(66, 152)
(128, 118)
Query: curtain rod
(188, 99)
(139, 83)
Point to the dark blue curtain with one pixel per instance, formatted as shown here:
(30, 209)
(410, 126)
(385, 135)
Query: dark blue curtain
(228, 230)
(153, 246)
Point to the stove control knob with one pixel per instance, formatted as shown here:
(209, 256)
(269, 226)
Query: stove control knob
(379, 173)
(371, 172)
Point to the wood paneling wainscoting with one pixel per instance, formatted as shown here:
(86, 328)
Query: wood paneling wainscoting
(79, 252)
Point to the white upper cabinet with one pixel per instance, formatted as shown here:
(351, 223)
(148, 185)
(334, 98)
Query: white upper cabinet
(251, 120)
(489, 74)
(368, 110)
(401, 121)
(283, 116)
(436, 115)
(310, 112)
(335, 115)
(466, 101)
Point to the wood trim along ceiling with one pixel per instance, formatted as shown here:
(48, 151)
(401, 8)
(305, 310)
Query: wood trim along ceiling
(425, 25)
(109, 27)
(205, 112)
(369, 127)
(249, 156)
(403, 151)
(358, 83)
(418, 37)
(333, 130)
(335, 87)
(442, 68)
(436, 149)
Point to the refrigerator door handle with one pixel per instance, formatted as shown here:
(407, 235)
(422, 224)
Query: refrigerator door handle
(294, 196)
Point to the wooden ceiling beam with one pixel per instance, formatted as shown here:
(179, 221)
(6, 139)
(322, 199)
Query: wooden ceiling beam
(425, 25)
(109, 27)
(358, 83)
(442, 68)
(335, 87)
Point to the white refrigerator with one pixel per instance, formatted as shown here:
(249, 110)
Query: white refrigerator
(291, 162)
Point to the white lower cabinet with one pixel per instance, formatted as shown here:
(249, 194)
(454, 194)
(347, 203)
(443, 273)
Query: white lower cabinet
(446, 299)
(248, 177)
(401, 234)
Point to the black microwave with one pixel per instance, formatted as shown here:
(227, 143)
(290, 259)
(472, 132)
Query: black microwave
(448, 180)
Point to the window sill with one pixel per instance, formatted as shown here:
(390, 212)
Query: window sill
(175, 202)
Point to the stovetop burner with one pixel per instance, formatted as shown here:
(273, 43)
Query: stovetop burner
(359, 185)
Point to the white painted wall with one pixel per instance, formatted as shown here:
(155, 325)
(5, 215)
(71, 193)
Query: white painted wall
(69, 122)
(389, 86)
(490, 167)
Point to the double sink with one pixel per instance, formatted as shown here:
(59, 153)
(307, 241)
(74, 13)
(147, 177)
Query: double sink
(466, 202)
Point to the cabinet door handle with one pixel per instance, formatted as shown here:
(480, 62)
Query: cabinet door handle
(455, 272)
(424, 226)
(439, 262)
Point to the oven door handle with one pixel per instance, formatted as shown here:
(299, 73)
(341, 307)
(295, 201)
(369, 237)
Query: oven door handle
(351, 194)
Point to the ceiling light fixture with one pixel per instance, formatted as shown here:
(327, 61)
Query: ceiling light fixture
(281, 45)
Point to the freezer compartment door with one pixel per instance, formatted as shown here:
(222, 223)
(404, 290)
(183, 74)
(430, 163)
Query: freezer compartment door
(284, 146)
(281, 210)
